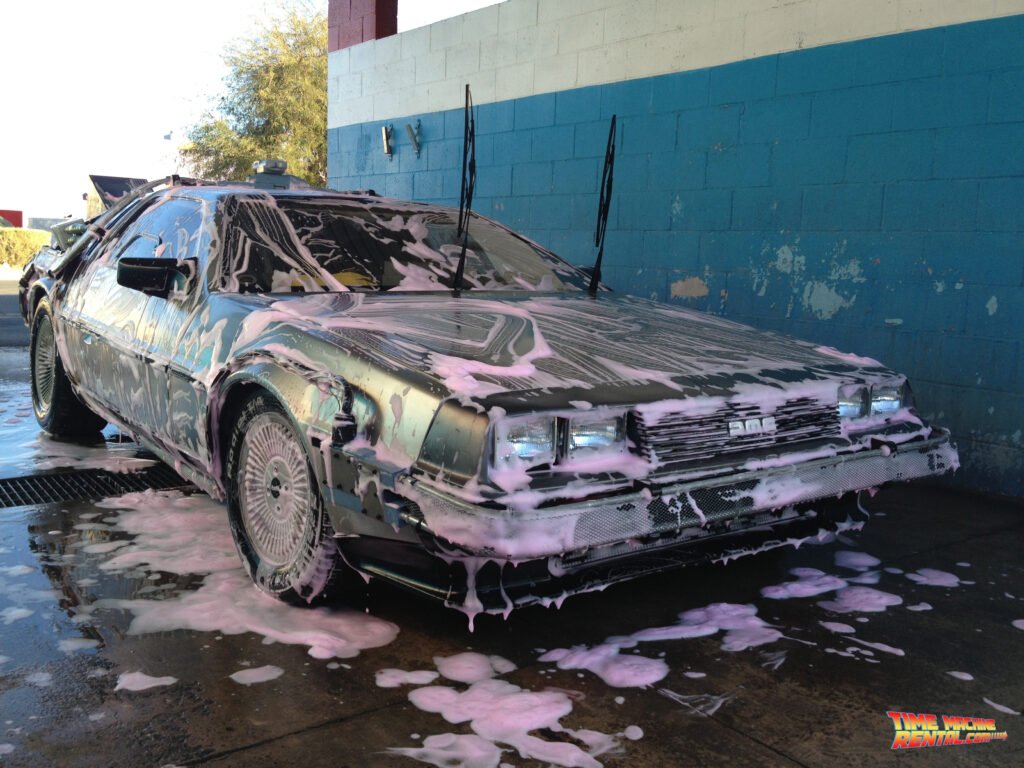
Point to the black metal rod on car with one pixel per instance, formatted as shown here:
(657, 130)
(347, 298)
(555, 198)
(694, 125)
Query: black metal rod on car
(468, 185)
(603, 205)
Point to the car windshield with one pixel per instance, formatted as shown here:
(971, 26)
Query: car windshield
(334, 244)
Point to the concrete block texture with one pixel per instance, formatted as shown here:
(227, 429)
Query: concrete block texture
(579, 43)
(866, 194)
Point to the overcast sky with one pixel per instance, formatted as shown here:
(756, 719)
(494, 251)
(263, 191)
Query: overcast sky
(93, 87)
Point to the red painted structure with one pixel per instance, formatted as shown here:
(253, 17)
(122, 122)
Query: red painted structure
(350, 22)
(14, 218)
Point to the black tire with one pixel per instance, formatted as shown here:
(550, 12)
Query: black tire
(58, 409)
(275, 508)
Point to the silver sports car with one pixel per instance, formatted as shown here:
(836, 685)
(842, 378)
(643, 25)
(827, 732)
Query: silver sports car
(493, 439)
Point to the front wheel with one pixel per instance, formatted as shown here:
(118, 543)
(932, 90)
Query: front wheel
(276, 511)
(58, 410)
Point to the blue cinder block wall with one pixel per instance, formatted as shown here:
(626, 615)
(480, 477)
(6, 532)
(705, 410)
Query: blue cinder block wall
(866, 195)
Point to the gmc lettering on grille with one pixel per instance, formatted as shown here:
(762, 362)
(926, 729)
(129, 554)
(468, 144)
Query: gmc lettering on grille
(744, 427)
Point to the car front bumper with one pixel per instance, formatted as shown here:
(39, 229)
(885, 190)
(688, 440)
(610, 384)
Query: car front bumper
(580, 530)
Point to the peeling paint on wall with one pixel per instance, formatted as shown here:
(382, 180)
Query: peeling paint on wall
(789, 261)
(992, 306)
(823, 298)
(690, 288)
(824, 301)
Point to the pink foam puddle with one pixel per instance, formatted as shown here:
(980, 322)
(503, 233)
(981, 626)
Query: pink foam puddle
(934, 578)
(257, 675)
(1000, 707)
(920, 607)
(742, 627)
(856, 561)
(54, 454)
(11, 615)
(16, 570)
(741, 624)
(394, 678)
(173, 533)
(837, 627)
(39, 679)
(866, 577)
(860, 600)
(472, 667)
(961, 675)
(180, 534)
(139, 681)
(71, 645)
(501, 715)
(810, 582)
(460, 750)
(1018, 623)
(228, 602)
(607, 662)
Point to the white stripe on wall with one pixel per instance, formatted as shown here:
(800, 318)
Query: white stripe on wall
(525, 47)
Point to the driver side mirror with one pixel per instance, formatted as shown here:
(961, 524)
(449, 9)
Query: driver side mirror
(156, 277)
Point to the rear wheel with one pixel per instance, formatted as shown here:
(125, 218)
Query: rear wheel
(277, 514)
(58, 410)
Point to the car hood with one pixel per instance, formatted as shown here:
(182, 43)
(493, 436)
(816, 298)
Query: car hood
(484, 345)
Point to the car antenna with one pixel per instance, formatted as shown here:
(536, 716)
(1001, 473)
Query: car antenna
(468, 184)
(603, 205)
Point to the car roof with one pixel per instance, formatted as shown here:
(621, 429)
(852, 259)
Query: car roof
(218, 191)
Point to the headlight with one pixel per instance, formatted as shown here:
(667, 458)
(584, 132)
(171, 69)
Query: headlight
(886, 398)
(859, 400)
(530, 441)
(588, 437)
(853, 401)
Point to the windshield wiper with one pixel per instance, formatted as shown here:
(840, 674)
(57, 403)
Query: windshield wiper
(468, 185)
(603, 206)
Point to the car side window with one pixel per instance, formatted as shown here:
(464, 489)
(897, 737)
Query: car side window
(176, 224)
(142, 245)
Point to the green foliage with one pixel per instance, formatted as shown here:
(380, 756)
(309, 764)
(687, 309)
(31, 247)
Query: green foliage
(275, 105)
(17, 246)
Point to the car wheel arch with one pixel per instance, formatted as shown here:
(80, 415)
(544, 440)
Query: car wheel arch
(234, 389)
(39, 292)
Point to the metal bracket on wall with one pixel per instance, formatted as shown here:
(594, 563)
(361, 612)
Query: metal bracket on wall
(414, 136)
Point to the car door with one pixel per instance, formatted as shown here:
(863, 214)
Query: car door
(105, 341)
(175, 412)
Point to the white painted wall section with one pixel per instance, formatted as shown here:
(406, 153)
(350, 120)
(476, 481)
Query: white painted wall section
(521, 48)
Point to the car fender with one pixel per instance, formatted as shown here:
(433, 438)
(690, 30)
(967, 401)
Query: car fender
(315, 402)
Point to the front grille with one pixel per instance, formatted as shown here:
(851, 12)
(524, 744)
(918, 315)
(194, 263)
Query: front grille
(83, 485)
(674, 440)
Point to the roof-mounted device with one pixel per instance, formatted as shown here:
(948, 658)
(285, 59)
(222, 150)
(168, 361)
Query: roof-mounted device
(273, 174)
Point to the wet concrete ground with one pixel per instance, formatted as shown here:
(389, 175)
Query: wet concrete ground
(810, 697)
(13, 331)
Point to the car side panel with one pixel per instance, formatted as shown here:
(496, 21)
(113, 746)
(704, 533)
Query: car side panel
(104, 339)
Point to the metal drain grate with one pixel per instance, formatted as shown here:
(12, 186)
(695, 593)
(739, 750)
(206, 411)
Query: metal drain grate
(82, 485)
